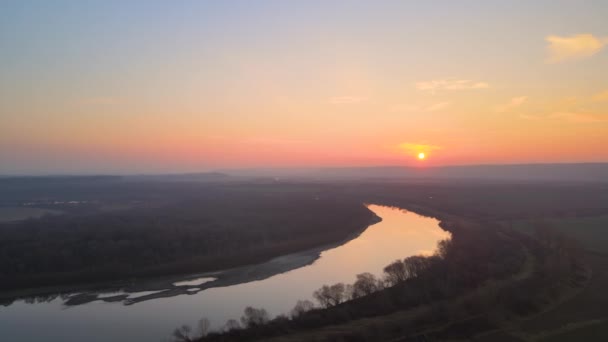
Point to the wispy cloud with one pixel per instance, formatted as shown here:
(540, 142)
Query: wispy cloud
(513, 103)
(531, 117)
(274, 141)
(450, 84)
(570, 117)
(576, 117)
(579, 46)
(415, 148)
(435, 107)
(601, 97)
(347, 99)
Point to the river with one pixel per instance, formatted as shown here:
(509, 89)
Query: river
(398, 235)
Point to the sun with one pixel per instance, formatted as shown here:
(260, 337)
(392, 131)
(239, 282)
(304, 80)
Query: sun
(421, 155)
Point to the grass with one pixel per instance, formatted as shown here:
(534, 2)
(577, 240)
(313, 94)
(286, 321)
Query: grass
(595, 330)
(583, 317)
(591, 232)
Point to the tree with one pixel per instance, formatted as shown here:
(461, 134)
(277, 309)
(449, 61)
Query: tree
(203, 327)
(301, 307)
(182, 334)
(443, 248)
(416, 265)
(365, 284)
(280, 319)
(395, 273)
(232, 324)
(349, 292)
(329, 296)
(254, 317)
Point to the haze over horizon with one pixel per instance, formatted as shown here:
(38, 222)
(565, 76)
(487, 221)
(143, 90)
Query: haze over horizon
(122, 88)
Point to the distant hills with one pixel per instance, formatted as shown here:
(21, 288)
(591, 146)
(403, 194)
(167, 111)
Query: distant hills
(183, 177)
(581, 172)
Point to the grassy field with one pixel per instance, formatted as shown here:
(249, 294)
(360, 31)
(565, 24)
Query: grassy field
(589, 331)
(12, 214)
(591, 232)
(583, 316)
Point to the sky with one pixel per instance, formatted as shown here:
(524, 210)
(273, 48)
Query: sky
(187, 86)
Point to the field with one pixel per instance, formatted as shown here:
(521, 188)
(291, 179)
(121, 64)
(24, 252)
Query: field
(13, 214)
(589, 231)
(583, 317)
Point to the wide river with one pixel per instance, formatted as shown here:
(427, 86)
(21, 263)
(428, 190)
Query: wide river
(398, 235)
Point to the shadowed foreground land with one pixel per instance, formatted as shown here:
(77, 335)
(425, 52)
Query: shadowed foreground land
(514, 272)
(526, 261)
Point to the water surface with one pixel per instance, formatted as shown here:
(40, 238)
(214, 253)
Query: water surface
(398, 235)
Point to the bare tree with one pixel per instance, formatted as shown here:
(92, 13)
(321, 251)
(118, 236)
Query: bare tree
(395, 273)
(443, 248)
(281, 319)
(365, 284)
(254, 317)
(232, 324)
(329, 296)
(349, 292)
(203, 327)
(182, 334)
(380, 284)
(416, 264)
(301, 307)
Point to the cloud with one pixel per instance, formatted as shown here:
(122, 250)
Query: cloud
(562, 49)
(570, 117)
(415, 148)
(435, 107)
(450, 84)
(347, 99)
(575, 117)
(514, 103)
(601, 97)
(518, 101)
(274, 141)
(531, 117)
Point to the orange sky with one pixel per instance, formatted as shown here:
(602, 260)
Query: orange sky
(197, 87)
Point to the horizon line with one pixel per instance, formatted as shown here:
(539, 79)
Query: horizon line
(225, 170)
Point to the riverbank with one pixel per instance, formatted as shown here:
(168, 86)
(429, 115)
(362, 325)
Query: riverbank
(164, 287)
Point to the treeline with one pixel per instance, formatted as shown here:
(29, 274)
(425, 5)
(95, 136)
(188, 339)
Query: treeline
(472, 256)
(193, 234)
(489, 200)
(498, 274)
(328, 296)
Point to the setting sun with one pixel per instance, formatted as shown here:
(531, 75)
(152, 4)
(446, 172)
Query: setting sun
(421, 155)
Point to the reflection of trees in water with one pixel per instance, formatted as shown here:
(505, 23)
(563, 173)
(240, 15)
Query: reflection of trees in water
(41, 298)
(6, 302)
(47, 298)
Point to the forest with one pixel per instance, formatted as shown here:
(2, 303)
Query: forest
(192, 228)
